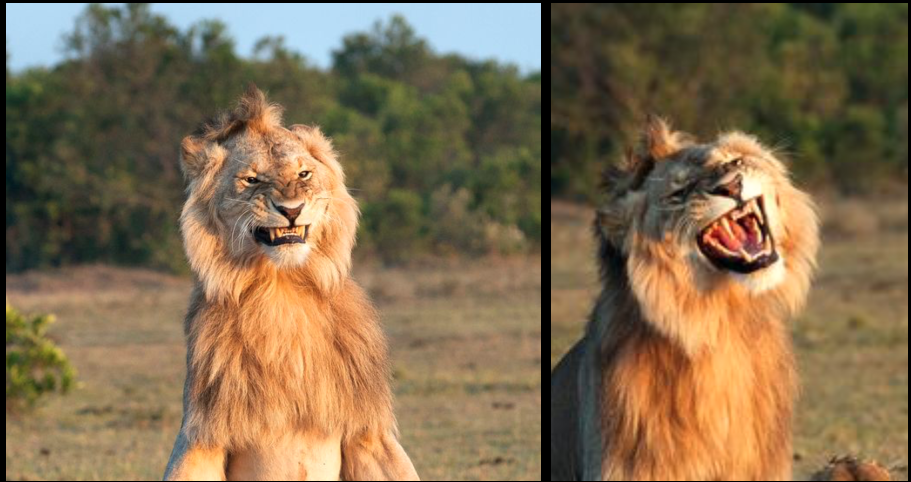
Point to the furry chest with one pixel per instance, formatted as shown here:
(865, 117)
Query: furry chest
(672, 418)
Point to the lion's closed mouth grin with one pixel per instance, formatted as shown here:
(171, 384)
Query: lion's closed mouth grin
(279, 236)
(739, 240)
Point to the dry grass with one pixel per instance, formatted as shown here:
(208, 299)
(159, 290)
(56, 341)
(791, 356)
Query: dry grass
(852, 341)
(466, 355)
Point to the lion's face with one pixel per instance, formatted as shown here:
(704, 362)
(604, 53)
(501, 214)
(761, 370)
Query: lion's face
(264, 199)
(273, 195)
(707, 233)
(720, 211)
(719, 204)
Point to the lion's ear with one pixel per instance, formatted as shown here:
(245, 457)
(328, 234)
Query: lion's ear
(198, 155)
(659, 140)
(192, 156)
(318, 144)
(304, 129)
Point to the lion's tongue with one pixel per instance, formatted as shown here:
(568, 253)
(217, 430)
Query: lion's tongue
(734, 239)
(754, 239)
(742, 234)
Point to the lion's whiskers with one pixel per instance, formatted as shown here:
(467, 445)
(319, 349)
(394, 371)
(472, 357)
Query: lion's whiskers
(240, 201)
(233, 230)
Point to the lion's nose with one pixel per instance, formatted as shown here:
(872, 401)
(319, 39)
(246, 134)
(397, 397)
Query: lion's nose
(731, 187)
(290, 213)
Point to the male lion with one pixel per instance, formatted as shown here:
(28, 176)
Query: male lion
(685, 371)
(287, 375)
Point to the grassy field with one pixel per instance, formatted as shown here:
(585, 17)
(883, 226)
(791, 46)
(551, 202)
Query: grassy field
(466, 353)
(852, 341)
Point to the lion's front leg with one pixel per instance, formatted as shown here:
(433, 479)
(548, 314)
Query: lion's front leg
(190, 462)
(376, 457)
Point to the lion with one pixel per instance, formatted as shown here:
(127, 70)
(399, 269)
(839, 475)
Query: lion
(685, 371)
(287, 370)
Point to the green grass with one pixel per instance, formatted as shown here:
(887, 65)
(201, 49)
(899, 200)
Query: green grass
(851, 341)
(466, 355)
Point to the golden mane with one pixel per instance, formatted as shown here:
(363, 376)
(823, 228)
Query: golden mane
(277, 351)
(332, 348)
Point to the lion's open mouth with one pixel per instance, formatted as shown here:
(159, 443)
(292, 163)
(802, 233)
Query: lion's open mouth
(279, 236)
(739, 240)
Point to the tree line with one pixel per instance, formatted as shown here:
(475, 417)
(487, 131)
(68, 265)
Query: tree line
(443, 152)
(827, 83)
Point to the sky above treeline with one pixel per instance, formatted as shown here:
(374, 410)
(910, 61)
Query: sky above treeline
(508, 33)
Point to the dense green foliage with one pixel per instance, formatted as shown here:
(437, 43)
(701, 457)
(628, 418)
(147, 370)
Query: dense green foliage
(92, 143)
(34, 364)
(826, 82)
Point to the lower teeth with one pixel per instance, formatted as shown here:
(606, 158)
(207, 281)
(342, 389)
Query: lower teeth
(277, 233)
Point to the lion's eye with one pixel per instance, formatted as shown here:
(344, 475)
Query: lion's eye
(305, 175)
(678, 195)
(251, 180)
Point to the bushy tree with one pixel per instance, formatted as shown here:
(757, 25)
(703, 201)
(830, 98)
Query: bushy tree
(396, 224)
(826, 82)
(91, 159)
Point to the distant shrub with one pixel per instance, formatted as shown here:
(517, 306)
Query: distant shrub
(504, 239)
(34, 364)
(456, 227)
(394, 224)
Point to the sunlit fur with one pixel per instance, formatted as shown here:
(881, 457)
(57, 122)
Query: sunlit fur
(220, 210)
(282, 344)
(694, 371)
(671, 279)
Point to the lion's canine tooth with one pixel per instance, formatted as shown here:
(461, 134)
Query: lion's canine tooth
(271, 234)
(751, 207)
(746, 255)
(727, 227)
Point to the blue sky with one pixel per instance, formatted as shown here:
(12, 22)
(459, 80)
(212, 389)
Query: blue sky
(504, 32)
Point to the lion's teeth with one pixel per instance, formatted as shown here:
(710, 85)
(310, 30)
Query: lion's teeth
(727, 227)
(271, 234)
(714, 242)
(746, 255)
(754, 207)
(755, 226)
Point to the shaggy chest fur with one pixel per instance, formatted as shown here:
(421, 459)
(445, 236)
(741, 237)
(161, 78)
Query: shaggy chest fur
(722, 414)
(284, 359)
